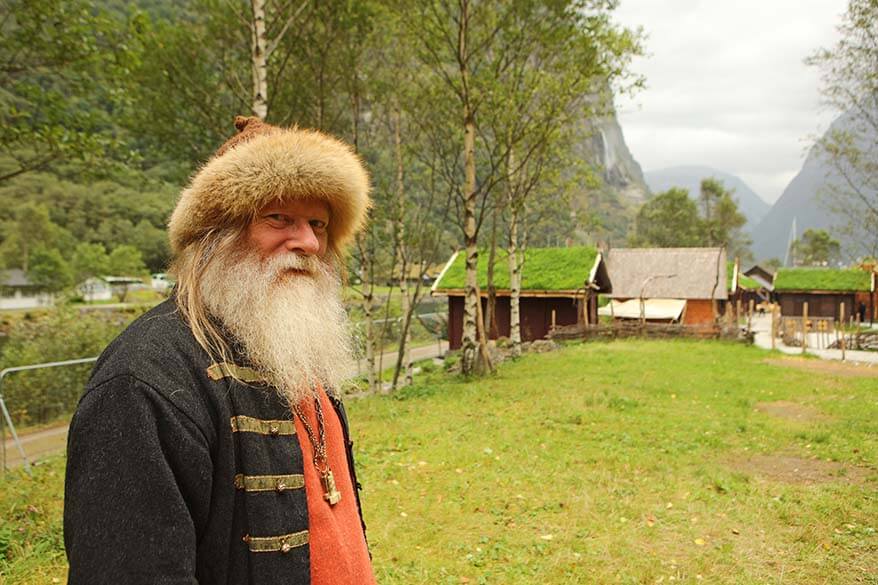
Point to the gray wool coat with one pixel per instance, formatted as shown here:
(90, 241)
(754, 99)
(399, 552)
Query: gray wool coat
(178, 474)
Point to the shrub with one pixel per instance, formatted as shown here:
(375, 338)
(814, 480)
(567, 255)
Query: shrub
(41, 396)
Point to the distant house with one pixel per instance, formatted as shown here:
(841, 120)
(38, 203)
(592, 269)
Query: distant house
(685, 285)
(559, 283)
(104, 288)
(413, 274)
(745, 288)
(17, 291)
(763, 276)
(162, 282)
(824, 289)
(95, 289)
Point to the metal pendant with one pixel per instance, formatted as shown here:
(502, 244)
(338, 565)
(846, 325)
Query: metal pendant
(330, 492)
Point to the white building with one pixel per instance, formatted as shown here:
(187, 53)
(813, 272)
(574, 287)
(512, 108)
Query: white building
(17, 292)
(95, 289)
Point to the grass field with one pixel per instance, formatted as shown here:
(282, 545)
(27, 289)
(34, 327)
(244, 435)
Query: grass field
(625, 462)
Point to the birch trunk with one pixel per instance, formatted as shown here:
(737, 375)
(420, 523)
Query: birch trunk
(514, 284)
(491, 317)
(403, 359)
(471, 298)
(259, 60)
(514, 264)
(368, 315)
(469, 341)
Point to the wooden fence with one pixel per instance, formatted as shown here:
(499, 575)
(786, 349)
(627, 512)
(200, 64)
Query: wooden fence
(627, 329)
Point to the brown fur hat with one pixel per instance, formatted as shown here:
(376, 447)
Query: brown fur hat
(264, 163)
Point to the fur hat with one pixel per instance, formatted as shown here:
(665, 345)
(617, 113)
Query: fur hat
(264, 163)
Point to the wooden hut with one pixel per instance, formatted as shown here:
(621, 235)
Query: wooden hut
(558, 285)
(763, 276)
(824, 289)
(744, 288)
(686, 285)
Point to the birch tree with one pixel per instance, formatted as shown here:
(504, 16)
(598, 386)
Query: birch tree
(849, 75)
(268, 23)
(454, 44)
(550, 80)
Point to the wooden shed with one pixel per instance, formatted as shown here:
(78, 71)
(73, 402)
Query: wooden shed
(697, 276)
(824, 289)
(559, 283)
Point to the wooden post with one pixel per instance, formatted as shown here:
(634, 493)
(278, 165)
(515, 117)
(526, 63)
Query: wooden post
(841, 322)
(750, 317)
(553, 319)
(804, 327)
(858, 329)
(773, 326)
(738, 311)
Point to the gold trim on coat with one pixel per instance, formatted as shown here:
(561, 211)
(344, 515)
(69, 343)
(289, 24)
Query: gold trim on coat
(222, 370)
(269, 483)
(283, 543)
(248, 424)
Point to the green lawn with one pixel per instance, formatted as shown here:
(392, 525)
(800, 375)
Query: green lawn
(626, 462)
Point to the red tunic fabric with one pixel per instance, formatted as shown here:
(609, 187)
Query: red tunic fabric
(339, 555)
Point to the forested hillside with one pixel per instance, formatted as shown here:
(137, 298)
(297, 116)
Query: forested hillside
(109, 106)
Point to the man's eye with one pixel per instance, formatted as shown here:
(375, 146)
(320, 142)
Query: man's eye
(318, 224)
(276, 217)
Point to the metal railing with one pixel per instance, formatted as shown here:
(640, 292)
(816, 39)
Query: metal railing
(8, 419)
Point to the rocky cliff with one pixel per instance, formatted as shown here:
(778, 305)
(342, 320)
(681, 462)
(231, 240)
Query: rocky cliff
(606, 147)
(605, 210)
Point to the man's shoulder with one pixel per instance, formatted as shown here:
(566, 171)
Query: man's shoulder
(158, 350)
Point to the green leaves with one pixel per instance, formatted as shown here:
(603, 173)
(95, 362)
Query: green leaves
(672, 219)
(56, 63)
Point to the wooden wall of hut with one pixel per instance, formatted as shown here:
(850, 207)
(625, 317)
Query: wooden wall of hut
(536, 316)
(819, 305)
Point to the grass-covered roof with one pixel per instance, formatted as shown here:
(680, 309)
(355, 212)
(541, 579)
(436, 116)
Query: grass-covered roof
(747, 283)
(545, 269)
(822, 279)
(744, 281)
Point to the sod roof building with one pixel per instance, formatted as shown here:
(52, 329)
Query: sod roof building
(685, 285)
(556, 283)
(825, 289)
(744, 288)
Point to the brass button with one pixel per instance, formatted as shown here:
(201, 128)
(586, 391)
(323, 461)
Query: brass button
(274, 430)
(285, 547)
(281, 486)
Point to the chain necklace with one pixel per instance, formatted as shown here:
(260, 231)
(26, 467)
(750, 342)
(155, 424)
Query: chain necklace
(318, 446)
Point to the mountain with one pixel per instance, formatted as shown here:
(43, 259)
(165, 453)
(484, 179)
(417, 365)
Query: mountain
(619, 170)
(689, 177)
(607, 208)
(803, 200)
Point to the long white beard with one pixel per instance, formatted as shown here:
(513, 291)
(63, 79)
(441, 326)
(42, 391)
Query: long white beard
(291, 326)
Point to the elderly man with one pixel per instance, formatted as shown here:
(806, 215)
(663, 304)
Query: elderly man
(210, 445)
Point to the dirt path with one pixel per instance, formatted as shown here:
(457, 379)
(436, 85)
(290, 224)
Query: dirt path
(37, 445)
(838, 368)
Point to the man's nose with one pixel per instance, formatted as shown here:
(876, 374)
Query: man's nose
(302, 239)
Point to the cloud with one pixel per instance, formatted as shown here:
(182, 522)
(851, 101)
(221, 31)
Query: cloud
(727, 86)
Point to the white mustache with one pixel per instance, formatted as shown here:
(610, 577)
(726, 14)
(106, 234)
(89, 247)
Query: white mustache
(293, 261)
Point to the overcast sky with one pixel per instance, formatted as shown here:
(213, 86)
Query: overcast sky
(727, 86)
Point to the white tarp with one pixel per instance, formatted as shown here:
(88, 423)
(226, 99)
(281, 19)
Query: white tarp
(658, 309)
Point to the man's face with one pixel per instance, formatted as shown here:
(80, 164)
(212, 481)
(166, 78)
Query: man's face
(293, 328)
(298, 226)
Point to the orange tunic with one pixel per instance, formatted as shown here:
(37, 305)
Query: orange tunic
(339, 555)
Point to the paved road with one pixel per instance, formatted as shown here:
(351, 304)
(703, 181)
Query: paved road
(762, 329)
(47, 441)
